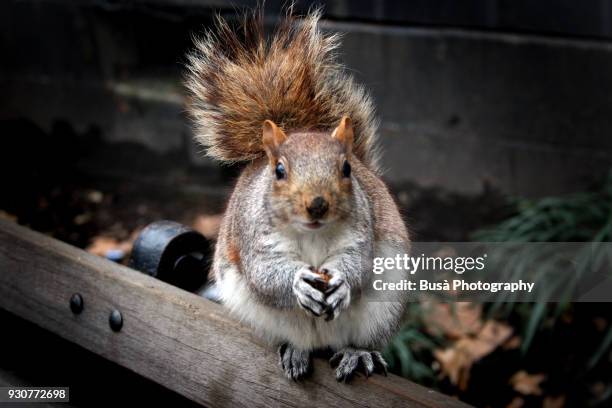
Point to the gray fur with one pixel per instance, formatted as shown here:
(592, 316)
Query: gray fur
(267, 246)
(295, 363)
(349, 360)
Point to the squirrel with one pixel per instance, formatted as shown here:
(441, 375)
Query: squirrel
(309, 212)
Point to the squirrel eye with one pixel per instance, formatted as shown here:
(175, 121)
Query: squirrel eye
(346, 169)
(280, 171)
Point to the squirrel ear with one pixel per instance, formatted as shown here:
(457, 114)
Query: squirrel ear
(272, 138)
(344, 133)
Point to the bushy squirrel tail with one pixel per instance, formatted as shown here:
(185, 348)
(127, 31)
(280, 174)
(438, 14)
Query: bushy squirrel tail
(237, 79)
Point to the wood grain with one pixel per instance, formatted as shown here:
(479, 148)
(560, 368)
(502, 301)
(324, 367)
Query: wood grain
(170, 336)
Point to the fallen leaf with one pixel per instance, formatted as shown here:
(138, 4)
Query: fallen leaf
(456, 364)
(453, 320)
(7, 216)
(81, 219)
(495, 333)
(100, 245)
(457, 360)
(95, 196)
(513, 343)
(110, 248)
(527, 384)
(554, 401)
(517, 402)
(208, 225)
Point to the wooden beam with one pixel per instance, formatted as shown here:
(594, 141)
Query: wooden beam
(170, 336)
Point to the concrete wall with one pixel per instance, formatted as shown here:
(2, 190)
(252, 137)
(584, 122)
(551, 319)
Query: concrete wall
(529, 114)
(463, 104)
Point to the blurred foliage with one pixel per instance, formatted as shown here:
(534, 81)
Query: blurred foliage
(410, 352)
(579, 217)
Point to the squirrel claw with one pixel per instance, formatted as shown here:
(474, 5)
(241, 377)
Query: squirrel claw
(296, 364)
(349, 360)
(309, 298)
(313, 279)
(337, 298)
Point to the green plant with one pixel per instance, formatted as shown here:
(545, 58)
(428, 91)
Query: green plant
(580, 217)
(409, 351)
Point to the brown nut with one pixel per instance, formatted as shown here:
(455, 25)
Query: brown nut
(322, 286)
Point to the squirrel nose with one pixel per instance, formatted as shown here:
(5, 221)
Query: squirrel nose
(317, 208)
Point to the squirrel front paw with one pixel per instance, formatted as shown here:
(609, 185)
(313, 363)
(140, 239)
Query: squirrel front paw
(337, 296)
(308, 297)
(295, 363)
(350, 360)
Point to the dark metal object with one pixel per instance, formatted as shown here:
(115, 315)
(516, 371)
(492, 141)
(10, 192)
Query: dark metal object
(172, 253)
(115, 320)
(76, 303)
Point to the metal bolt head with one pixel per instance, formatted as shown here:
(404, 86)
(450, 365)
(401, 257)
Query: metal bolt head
(115, 320)
(76, 303)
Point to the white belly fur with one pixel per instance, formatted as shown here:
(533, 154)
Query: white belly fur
(359, 325)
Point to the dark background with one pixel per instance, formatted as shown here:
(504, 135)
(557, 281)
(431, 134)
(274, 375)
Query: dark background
(479, 101)
(513, 95)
